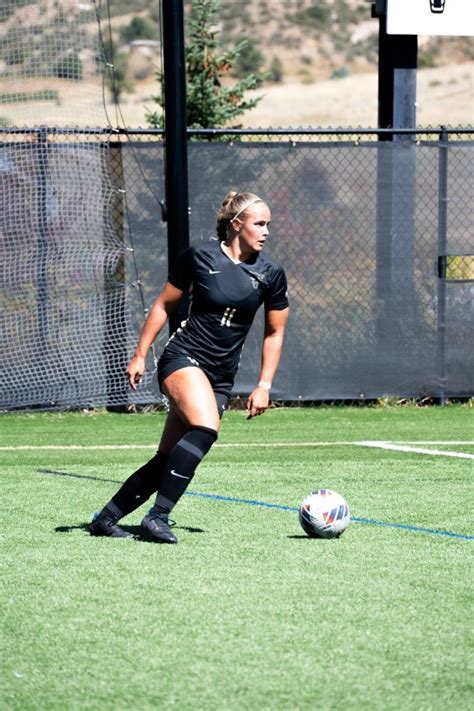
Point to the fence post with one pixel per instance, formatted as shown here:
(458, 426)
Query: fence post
(174, 70)
(42, 245)
(115, 351)
(396, 170)
(442, 248)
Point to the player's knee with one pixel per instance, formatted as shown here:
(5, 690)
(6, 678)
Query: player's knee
(200, 439)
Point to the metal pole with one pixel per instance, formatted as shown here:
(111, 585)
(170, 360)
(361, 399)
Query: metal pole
(176, 170)
(115, 346)
(42, 244)
(442, 247)
(396, 77)
(396, 167)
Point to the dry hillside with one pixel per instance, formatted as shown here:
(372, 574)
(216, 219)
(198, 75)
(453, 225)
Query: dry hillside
(322, 55)
(328, 55)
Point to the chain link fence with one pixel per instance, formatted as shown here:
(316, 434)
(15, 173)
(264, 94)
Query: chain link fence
(376, 238)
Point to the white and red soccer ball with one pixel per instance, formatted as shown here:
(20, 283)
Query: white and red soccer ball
(324, 514)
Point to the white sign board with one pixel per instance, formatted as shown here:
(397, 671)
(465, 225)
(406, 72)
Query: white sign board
(430, 17)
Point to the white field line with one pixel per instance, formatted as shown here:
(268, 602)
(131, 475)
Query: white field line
(406, 446)
(34, 447)
(416, 450)
(434, 441)
(44, 447)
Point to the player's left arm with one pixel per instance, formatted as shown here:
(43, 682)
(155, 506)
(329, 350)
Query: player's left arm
(275, 323)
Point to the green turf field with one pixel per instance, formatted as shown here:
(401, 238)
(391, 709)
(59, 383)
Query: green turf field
(245, 612)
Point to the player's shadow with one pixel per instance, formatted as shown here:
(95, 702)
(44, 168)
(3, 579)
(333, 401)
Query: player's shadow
(136, 531)
(69, 529)
(71, 475)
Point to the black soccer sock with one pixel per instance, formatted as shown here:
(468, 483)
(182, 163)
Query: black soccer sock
(181, 465)
(138, 488)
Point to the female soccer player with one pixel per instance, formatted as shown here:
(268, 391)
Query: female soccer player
(229, 278)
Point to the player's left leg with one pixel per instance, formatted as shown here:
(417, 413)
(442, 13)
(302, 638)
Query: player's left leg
(140, 485)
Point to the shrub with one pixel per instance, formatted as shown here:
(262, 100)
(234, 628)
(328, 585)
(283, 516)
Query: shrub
(139, 28)
(275, 72)
(341, 72)
(69, 67)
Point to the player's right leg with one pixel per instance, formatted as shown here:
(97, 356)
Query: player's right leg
(193, 399)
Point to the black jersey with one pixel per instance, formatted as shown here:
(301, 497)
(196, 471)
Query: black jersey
(224, 300)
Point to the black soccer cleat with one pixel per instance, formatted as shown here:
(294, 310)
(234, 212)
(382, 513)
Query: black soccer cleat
(156, 528)
(107, 526)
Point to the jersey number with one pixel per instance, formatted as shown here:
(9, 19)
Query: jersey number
(227, 316)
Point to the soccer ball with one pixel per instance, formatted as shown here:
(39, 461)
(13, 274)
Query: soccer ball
(324, 514)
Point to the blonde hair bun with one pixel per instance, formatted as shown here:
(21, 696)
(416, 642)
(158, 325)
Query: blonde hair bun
(228, 198)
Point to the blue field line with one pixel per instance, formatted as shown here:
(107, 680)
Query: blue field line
(282, 507)
(369, 521)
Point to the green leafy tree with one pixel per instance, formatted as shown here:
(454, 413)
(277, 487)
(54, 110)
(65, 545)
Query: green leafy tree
(209, 103)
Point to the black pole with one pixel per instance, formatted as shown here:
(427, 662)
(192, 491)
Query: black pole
(174, 72)
(442, 249)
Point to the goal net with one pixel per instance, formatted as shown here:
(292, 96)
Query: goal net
(65, 315)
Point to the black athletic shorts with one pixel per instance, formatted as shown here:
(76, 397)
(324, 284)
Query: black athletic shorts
(221, 383)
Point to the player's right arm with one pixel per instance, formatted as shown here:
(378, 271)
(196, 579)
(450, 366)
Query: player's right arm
(158, 315)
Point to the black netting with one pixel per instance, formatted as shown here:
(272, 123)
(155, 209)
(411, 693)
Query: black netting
(357, 226)
(375, 237)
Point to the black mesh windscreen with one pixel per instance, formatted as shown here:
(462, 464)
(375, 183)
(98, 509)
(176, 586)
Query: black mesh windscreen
(376, 239)
(357, 228)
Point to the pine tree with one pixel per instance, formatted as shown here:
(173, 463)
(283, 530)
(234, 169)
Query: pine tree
(209, 104)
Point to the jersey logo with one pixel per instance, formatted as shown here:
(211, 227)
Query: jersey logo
(214, 271)
(192, 360)
(256, 279)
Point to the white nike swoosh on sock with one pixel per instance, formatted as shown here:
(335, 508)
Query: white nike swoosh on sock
(180, 475)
